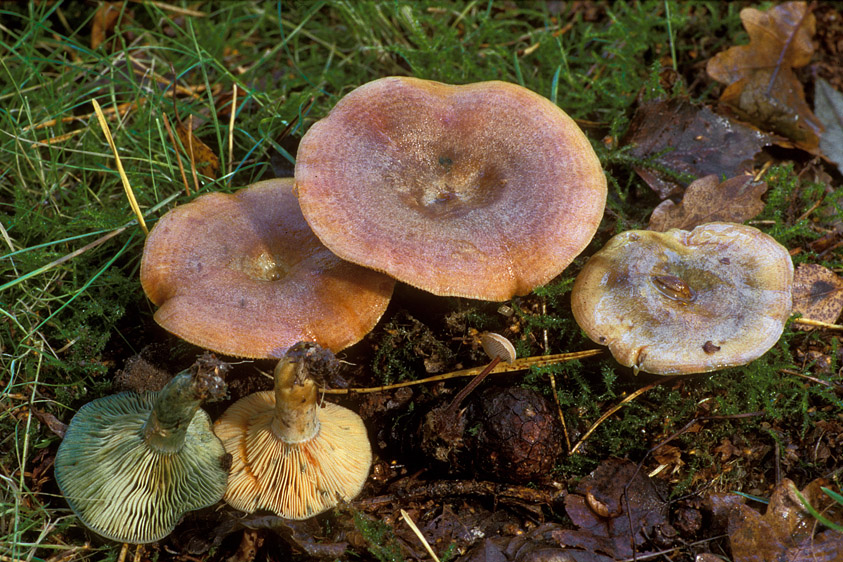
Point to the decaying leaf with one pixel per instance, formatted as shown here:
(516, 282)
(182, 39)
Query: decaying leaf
(708, 199)
(105, 20)
(817, 294)
(609, 520)
(762, 86)
(828, 104)
(786, 531)
(206, 162)
(681, 142)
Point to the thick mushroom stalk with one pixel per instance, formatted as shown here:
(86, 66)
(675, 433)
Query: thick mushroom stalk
(290, 455)
(131, 465)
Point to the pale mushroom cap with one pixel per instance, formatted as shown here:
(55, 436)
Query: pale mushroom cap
(122, 489)
(686, 302)
(495, 345)
(293, 480)
(484, 190)
(242, 274)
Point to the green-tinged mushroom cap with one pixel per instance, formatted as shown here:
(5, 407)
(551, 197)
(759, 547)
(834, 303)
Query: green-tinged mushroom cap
(131, 465)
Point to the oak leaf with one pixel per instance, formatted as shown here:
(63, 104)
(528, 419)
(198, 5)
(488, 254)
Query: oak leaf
(707, 200)
(762, 85)
(817, 294)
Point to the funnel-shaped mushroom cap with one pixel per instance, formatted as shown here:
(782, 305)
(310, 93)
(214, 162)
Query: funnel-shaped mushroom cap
(686, 302)
(485, 190)
(131, 465)
(290, 455)
(243, 274)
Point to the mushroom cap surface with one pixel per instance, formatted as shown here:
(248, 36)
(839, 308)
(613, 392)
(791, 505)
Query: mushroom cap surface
(242, 274)
(681, 302)
(483, 190)
(125, 490)
(295, 480)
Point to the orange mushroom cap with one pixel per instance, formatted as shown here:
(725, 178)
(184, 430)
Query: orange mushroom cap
(680, 302)
(242, 274)
(484, 190)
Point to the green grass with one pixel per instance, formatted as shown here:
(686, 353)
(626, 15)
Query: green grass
(72, 309)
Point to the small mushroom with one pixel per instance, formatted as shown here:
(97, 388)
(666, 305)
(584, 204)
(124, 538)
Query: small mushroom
(242, 274)
(292, 456)
(131, 464)
(483, 190)
(681, 302)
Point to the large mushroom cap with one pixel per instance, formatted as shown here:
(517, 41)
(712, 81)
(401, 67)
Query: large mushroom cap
(242, 274)
(292, 456)
(126, 478)
(485, 190)
(686, 302)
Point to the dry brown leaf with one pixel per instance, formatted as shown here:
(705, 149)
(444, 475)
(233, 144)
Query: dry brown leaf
(786, 531)
(762, 86)
(707, 200)
(105, 20)
(677, 136)
(817, 294)
(205, 160)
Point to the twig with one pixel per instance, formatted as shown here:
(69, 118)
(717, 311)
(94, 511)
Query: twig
(817, 324)
(518, 365)
(559, 409)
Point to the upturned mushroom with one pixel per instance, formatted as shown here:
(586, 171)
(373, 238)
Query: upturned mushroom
(131, 464)
(484, 190)
(292, 456)
(242, 274)
(680, 302)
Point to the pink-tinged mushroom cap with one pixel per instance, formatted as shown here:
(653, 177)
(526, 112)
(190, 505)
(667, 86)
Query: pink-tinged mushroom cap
(681, 302)
(484, 190)
(242, 274)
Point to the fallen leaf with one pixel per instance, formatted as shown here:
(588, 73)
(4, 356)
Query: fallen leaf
(762, 86)
(206, 161)
(52, 422)
(615, 507)
(681, 142)
(786, 531)
(105, 20)
(817, 294)
(708, 199)
(828, 103)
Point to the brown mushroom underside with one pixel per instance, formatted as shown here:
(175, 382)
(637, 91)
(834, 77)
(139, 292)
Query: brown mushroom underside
(484, 190)
(242, 274)
(686, 302)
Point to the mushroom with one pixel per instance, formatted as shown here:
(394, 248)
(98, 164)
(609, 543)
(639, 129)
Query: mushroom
(292, 456)
(242, 274)
(484, 190)
(681, 302)
(131, 464)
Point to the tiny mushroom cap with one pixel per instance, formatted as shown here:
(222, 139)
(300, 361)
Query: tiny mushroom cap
(242, 274)
(483, 190)
(497, 346)
(680, 302)
(292, 456)
(131, 464)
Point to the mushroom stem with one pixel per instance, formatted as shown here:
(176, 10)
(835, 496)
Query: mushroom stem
(295, 399)
(175, 406)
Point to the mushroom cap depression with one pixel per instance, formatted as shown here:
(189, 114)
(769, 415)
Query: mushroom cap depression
(242, 274)
(680, 302)
(484, 191)
(292, 456)
(120, 484)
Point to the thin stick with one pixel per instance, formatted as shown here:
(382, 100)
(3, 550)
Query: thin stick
(559, 409)
(614, 409)
(419, 534)
(231, 132)
(190, 152)
(817, 324)
(518, 365)
(178, 153)
(130, 194)
(123, 550)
